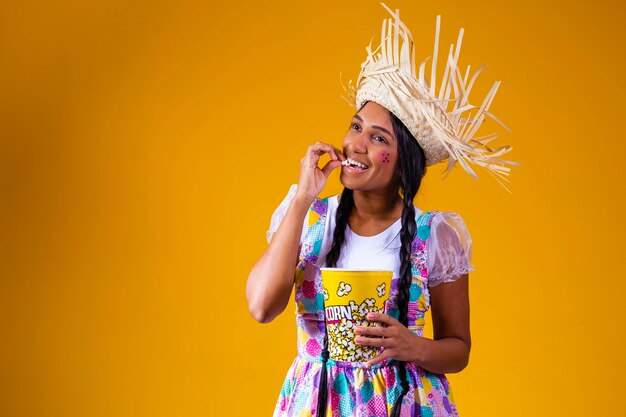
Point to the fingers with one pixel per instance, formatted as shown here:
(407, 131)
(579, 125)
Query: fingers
(370, 341)
(382, 318)
(339, 154)
(320, 148)
(372, 331)
(378, 359)
(313, 178)
(330, 165)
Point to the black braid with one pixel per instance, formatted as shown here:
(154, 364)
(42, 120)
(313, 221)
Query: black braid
(412, 164)
(346, 203)
(322, 394)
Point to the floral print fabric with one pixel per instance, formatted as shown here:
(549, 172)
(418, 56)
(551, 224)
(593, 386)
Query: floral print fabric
(352, 389)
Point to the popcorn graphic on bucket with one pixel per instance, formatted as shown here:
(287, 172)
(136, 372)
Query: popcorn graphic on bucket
(348, 296)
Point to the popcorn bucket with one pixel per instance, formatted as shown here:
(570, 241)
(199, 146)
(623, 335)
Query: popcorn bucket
(348, 296)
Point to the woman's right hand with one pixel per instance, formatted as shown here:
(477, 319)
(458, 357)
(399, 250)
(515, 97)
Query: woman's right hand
(270, 281)
(312, 178)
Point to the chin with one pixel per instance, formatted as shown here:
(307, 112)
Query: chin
(352, 182)
(363, 184)
(346, 182)
(352, 185)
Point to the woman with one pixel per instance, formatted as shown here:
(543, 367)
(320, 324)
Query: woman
(374, 224)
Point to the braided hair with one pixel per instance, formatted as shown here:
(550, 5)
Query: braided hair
(412, 167)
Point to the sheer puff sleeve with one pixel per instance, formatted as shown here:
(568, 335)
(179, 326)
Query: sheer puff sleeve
(450, 249)
(280, 213)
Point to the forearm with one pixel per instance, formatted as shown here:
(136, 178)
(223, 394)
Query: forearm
(271, 279)
(443, 356)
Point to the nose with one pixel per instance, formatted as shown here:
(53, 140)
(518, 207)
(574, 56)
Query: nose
(356, 143)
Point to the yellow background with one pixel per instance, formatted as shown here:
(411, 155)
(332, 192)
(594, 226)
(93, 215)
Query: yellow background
(144, 146)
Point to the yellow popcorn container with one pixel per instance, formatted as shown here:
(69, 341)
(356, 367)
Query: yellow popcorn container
(348, 296)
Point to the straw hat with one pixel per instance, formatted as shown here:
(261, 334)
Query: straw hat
(439, 117)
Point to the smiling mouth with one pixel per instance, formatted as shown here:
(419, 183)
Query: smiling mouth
(354, 165)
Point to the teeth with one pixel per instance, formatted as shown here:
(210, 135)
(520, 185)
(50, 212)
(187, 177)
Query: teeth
(349, 162)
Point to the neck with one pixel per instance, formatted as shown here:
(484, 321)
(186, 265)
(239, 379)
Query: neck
(370, 205)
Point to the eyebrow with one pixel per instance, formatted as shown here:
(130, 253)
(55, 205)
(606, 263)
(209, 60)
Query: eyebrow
(356, 116)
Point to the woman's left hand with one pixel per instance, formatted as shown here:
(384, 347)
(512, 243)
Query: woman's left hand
(398, 341)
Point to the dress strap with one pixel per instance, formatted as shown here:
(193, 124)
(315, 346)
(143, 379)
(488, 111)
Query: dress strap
(312, 245)
(423, 224)
(418, 247)
(315, 234)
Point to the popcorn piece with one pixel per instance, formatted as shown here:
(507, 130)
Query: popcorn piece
(381, 289)
(344, 289)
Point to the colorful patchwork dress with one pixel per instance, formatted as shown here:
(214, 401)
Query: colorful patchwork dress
(352, 389)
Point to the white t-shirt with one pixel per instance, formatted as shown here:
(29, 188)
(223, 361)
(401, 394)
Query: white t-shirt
(449, 244)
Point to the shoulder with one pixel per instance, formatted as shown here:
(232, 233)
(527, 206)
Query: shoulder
(446, 228)
(450, 248)
(448, 223)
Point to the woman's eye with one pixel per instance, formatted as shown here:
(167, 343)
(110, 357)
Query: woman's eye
(380, 139)
(355, 126)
